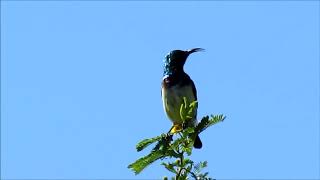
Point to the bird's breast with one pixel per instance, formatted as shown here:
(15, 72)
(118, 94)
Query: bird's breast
(172, 98)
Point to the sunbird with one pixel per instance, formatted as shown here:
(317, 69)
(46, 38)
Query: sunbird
(176, 84)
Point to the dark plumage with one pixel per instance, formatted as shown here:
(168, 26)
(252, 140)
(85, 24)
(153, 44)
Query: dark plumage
(176, 84)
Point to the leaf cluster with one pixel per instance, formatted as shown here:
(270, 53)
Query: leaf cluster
(165, 147)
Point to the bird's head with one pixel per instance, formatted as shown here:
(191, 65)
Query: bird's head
(175, 60)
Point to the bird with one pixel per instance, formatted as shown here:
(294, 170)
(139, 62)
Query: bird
(175, 85)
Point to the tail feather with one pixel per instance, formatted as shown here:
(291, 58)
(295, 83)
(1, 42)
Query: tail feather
(197, 143)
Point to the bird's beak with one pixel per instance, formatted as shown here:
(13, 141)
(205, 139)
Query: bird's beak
(190, 51)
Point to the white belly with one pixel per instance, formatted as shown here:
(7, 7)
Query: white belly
(172, 98)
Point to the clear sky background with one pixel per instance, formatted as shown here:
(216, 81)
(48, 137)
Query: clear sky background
(80, 86)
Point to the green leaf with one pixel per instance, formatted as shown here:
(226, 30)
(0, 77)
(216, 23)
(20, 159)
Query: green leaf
(176, 144)
(194, 104)
(203, 164)
(187, 131)
(146, 142)
(197, 168)
(191, 109)
(169, 167)
(183, 110)
(187, 161)
(185, 102)
(206, 122)
(143, 162)
(188, 149)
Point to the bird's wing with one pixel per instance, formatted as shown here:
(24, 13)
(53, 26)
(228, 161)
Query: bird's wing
(188, 81)
(194, 90)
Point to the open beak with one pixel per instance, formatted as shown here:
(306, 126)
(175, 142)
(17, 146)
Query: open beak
(190, 51)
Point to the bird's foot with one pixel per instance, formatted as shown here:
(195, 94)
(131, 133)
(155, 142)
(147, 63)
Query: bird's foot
(176, 128)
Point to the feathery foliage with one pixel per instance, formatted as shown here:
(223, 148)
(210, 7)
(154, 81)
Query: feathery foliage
(179, 148)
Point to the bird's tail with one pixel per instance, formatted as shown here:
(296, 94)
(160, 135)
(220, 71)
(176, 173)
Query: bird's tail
(197, 143)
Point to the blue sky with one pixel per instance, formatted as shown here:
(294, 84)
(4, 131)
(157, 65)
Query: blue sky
(80, 86)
